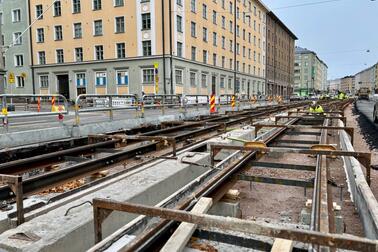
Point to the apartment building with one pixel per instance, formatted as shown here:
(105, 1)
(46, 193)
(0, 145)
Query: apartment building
(111, 47)
(279, 57)
(347, 84)
(367, 78)
(14, 19)
(310, 72)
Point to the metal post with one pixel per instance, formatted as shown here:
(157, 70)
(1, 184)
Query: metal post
(111, 108)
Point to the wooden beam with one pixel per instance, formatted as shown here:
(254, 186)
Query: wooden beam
(281, 245)
(184, 232)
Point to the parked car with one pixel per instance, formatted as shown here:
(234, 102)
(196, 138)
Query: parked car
(295, 98)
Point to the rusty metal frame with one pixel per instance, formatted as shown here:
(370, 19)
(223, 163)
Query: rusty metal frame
(349, 130)
(15, 184)
(103, 207)
(363, 157)
(342, 118)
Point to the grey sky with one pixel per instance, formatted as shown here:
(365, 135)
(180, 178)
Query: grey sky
(340, 32)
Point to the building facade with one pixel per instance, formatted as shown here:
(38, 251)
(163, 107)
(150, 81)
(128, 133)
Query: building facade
(14, 17)
(347, 84)
(367, 78)
(310, 72)
(112, 47)
(334, 86)
(279, 57)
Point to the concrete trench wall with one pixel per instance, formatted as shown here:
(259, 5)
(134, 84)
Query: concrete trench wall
(74, 232)
(361, 193)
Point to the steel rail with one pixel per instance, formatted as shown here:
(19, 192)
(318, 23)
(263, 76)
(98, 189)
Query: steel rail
(58, 177)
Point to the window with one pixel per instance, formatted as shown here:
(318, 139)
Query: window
(18, 60)
(193, 6)
(39, 11)
(230, 83)
(179, 49)
(17, 38)
(100, 78)
(204, 80)
(118, 3)
(97, 27)
(59, 56)
(81, 80)
(58, 32)
(121, 50)
(214, 17)
(16, 16)
(223, 61)
(231, 47)
(204, 34)
(221, 83)
(79, 54)
(122, 77)
(179, 23)
(204, 11)
(231, 26)
(78, 32)
(223, 42)
(40, 35)
(120, 24)
(193, 29)
(20, 82)
(146, 48)
(42, 58)
(178, 76)
(99, 52)
(215, 39)
(204, 56)
(146, 21)
(179, 2)
(76, 6)
(223, 4)
(193, 55)
(230, 7)
(57, 9)
(44, 81)
(192, 79)
(97, 5)
(214, 59)
(148, 75)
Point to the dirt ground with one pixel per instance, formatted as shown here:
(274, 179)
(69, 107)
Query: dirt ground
(365, 139)
(284, 203)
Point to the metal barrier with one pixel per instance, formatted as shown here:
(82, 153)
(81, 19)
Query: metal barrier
(57, 105)
(225, 99)
(95, 103)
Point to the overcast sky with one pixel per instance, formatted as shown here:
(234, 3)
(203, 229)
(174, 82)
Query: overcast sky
(339, 32)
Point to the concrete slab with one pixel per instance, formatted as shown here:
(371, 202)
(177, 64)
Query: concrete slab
(61, 231)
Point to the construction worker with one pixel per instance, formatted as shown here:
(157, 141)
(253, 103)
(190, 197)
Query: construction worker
(316, 108)
(341, 95)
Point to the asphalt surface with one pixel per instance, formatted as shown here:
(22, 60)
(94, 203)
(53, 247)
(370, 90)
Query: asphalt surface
(51, 121)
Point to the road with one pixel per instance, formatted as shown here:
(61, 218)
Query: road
(50, 121)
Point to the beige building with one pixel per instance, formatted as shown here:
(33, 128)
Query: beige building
(346, 84)
(112, 46)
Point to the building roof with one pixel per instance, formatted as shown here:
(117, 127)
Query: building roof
(277, 20)
(300, 50)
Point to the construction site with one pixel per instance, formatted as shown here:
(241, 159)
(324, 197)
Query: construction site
(253, 176)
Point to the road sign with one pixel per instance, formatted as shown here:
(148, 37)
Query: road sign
(11, 79)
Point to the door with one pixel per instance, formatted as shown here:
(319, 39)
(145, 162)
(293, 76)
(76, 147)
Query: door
(63, 85)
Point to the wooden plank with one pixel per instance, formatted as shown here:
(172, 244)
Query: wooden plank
(184, 232)
(282, 245)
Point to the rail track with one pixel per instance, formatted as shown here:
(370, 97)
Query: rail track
(26, 173)
(294, 135)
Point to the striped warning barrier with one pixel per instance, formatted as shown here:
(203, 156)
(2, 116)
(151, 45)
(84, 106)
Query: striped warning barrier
(233, 102)
(212, 104)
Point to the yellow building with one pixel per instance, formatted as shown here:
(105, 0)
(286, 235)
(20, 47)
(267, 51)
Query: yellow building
(111, 46)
